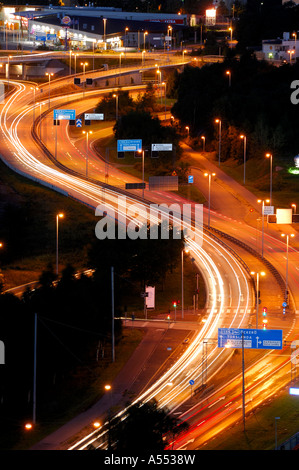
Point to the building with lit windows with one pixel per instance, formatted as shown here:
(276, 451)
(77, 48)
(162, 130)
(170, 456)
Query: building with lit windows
(86, 27)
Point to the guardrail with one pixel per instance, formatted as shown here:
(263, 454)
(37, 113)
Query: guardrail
(267, 263)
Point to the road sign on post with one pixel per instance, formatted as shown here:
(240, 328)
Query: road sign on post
(78, 122)
(69, 114)
(129, 145)
(253, 338)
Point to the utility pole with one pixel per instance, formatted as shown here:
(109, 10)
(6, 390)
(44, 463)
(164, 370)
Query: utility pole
(243, 382)
(34, 369)
(112, 303)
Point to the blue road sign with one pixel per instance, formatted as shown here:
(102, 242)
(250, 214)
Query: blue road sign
(190, 179)
(129, 145)
(69, 114)
(51, 37)
(191, 382)
(284, 304)
(40, 37)
(253, 338)
(78, 122)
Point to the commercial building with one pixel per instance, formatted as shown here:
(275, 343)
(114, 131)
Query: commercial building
(285, 49)
(104, 28)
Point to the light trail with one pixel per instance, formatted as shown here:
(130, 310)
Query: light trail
(27, 164)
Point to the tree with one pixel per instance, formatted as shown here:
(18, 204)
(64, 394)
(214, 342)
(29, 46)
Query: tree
(147, 101)
(107, 105)
(157, 426)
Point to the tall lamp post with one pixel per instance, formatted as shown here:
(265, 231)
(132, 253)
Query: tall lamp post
(184, 250)
(126, 45)
(209, 175)
(58, 216)
(75, 55)
(287, 264)
(40, 120)
(294, 206)
(291, 52)
(116, 106)
(218, 121)
(50, 74)
(8, 57)
(142, 152)
(270, 156)
(262, 201)
(87, 134)
(33, 113)
(231, 37)
(144, 34)
(164, 84)
(104, 26)
(244, 139)
(84, 65)
(262, 273)
(228, 73)
(203, 143)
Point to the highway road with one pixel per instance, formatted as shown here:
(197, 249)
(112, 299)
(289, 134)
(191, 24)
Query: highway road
(229, 285)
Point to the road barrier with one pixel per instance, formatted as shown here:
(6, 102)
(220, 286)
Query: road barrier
(256, 254)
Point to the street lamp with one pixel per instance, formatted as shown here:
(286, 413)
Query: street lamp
(203, 143)
(260, 201)
(142, 152)
(144, 34)
(120, 59)
(126, 29)
(75, 55)
(164, 84)
(58, 216)
(287, 264)
(269, 155)
(294, 206)
(50, 74)
(187, 129)
(210, 177)
(262, 273)
(229, 77)
(143, 54)
(244, 139)
(291, 51)
(40, 120)
(169, 33)
(84, 65)
(231, 37)
(104, 34)
(295, 39)
(186, 250)
(218, 121)
(87, 134)
(116, 106)
(33, 113)
(8, 57)
(70, 65)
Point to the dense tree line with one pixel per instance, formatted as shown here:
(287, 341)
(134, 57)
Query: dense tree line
(256, 103)
(73, 327)
(159, 429)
